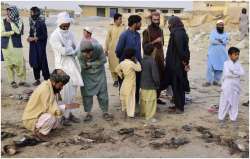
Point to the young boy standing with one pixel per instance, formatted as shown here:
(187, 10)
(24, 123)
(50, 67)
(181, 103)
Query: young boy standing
(126, 70)
(230, 95)
(150, 82)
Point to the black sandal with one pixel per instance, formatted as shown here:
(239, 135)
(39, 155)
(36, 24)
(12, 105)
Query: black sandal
(88, 118)
(14, 84)
(24, 84)
(108, 117)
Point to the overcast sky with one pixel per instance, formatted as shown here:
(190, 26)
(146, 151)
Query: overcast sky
(73, 5)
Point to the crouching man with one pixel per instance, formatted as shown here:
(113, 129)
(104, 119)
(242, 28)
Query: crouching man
(42, 113)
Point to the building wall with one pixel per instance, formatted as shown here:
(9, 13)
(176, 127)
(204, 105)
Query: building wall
(92, 10)
(89, 11)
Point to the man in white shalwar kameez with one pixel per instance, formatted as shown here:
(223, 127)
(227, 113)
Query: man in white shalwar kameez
(230, 95)
(63, 45)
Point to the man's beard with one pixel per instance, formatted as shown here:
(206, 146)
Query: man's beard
(220, 30)
(56, 91)
(155, 24)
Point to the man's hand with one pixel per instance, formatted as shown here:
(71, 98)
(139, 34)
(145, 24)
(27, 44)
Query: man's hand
(72, 106)
(187, 68)
(134, 59)
(220, 41)
(8, 19)
(30, 39)
(159, 39)
(35, 39)
(106, 52)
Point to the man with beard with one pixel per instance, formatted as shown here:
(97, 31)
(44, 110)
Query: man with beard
(42, 113)
(217, 54)
(38, 41)
(112, 37)
(63, 45)
(154, 35)
(131, 39)
(177, 61)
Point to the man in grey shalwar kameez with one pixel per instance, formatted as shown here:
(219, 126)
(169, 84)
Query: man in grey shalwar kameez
(244, 22)
(92, 60)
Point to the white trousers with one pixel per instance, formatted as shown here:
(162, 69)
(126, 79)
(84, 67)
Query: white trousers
(229, 103)
(46, 123)
(68, 95)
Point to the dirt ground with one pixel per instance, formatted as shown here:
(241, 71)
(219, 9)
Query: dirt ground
(67, 141)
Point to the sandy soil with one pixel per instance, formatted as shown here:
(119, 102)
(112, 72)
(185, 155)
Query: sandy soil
(137, 145)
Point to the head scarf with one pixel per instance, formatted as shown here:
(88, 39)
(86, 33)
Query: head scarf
(34, 18)
(13, 14)
(175, 22)
(63, 17)
(36, 13)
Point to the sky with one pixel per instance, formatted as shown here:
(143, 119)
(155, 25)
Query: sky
(73, 5)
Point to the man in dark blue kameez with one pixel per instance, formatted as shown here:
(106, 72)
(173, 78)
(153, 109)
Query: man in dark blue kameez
(38, 41)
(131, 39)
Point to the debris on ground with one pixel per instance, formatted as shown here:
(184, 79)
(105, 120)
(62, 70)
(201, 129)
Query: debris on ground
(78, 140)
(9, 150)
(85, 147)
(98, 136)
(27, 141)
(245, 154)
(62, 144)
(171, 143)
(124, 131)
(176, 142)
(242, 134)
(207, 135)
(155, 132)
(158, 133)
(187, 127)
(5, 135)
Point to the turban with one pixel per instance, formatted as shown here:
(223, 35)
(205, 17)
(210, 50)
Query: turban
(63, 17)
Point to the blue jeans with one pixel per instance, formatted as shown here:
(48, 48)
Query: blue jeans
(213, 75)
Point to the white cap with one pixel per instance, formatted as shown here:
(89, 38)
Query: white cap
(220, 21)
(88, 29)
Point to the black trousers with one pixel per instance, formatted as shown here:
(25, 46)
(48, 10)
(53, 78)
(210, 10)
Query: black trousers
(178, 92)
(186, 82)
(45, 72)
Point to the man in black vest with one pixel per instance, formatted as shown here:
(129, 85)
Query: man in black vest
(11, 45)
(38, 41)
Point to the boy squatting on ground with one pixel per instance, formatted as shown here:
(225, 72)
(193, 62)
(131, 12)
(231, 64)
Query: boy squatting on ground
(230, 95)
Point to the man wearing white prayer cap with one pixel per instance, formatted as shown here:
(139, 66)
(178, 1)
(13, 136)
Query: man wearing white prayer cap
(63, 45)
(87, 34)
(217, 54)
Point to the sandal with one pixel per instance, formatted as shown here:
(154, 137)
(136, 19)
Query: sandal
(24, 84)
(213, 109)
(14, 84)
(88, 118)
(108, 117)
